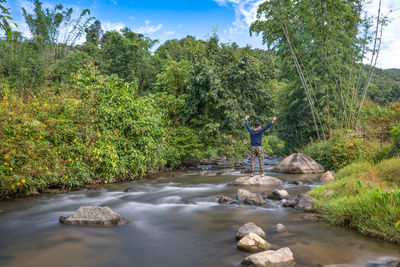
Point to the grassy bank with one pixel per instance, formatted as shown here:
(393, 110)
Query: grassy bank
(365, 197)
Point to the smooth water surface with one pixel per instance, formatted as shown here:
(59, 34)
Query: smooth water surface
(176, 221)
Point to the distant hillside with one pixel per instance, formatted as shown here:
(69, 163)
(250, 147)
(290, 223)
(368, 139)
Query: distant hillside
(385, 86)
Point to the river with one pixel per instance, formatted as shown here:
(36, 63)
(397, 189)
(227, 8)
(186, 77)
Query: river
(176, 221)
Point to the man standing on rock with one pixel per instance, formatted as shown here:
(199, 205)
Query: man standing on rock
(256, 144)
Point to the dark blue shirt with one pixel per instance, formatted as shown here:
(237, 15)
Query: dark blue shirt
(256, 135)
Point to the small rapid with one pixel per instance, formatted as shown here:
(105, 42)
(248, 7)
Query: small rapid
(176, 221)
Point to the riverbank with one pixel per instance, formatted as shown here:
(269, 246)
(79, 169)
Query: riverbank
(364, 197)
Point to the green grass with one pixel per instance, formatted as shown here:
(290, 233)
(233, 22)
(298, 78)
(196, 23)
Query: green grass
(366, 198)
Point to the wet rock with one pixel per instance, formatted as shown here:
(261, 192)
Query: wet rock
(305, 203)
(298, 163)
(384, 262)
(270, 258)
(289, 203)
(249, 228)
(327, 177)
(294, 182)
(312, 217)
(280, 228)
(34, 194)
(279, 194)
(257, 181)
(328, 193)
(245, 171)
(252, 243)
(250, 198)
(94, 215)
(204, 173)
(223, 199)
(238, 164)
(130, 189)
(226, 173)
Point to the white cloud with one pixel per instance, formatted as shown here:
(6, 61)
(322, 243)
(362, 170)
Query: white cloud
(389, 56)
(112, 26)
(245, 14)
(149, 29)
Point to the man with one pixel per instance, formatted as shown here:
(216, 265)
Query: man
(256, 144)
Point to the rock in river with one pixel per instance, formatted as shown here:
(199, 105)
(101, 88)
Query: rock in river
(250, 198)
(257, 180)
(249, 228)
(279, 194)
(298, 163)
(280, 228)
(94, 215)
(252, 243)
(270, 258)
(305, 203)
(327, 177)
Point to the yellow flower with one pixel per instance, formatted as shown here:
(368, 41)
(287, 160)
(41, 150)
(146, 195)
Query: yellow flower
(40, 137)
(18, 183)
(44, 125)
(397, 224)
(11, 169)
(12, 186)
(56, 105)
(6, 156)
(335, 147)
(72, 114)
(9, 118)
(70, 160)
(99, 134)
(23, 181)
(66, 176)
(47, 168)
(334, 159)
(45, 105)
(75, 140)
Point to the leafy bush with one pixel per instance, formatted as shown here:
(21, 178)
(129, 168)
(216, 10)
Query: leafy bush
(272, 145)
(97, 130)
(341, 150)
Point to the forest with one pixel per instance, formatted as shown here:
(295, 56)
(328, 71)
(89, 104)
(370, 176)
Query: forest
(120, 105)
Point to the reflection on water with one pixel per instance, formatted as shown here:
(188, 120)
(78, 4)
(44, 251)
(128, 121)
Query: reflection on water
(176, 221)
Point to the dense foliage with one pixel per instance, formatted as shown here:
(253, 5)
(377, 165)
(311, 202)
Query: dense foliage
(111, 109)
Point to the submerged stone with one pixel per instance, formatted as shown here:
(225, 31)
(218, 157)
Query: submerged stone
(94, 215)
(270, 258)
(252, 243)
(250, 228)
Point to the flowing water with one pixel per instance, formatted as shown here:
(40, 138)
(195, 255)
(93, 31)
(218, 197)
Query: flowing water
(176, 221)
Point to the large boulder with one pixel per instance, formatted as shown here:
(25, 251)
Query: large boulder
(257, 180)
(249, 228)
(94, 215)
(305, 203)
(327, 177)
(279, 194)
(298, 163)
(250, 198)
(252, 243)
(270, 258)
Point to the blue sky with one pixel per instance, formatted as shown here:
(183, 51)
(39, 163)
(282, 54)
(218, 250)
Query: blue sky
(174, 19)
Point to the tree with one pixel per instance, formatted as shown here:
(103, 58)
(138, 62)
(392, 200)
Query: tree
(94, 33)
(321, 47)
(5, 19)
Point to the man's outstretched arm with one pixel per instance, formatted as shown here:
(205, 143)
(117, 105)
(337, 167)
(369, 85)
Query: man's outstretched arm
(266, 127)
(247, 124)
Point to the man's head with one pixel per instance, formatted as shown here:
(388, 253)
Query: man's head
(257, 126)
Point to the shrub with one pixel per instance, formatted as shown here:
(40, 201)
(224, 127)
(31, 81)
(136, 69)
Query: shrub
(341, 150)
